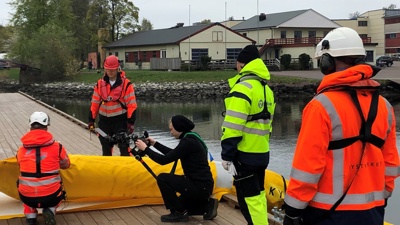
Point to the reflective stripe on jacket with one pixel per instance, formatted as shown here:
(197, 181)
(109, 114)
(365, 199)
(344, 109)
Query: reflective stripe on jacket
(40, 176)
(319, 176)
(113, 101)
(246, 98)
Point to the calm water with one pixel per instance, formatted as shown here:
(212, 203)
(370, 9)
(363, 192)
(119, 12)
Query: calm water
(154, 116)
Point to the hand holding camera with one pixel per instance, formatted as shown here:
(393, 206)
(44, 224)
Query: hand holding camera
(140, 144)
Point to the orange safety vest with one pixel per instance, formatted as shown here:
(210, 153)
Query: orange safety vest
(337, 151)
(114, 101)
(40, 160)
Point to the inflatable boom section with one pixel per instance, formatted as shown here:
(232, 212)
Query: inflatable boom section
(124, 181)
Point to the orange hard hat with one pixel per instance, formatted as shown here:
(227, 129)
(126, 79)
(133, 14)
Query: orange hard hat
(111, 62)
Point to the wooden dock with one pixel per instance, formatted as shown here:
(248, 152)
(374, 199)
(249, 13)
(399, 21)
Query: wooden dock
(15, 109)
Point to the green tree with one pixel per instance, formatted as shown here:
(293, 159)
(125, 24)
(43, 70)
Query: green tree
(145, 25)
(118, 16)
(6, 36)
(205, 21)
(44, 37)
(30, 16)
(81, 29)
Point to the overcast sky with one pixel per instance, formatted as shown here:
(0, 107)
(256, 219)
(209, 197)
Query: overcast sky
(166, 13)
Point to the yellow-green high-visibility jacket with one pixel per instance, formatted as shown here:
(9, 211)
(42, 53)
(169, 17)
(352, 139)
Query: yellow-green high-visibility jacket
(244, 139)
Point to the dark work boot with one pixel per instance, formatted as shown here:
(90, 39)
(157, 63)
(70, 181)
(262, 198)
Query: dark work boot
(211, 209)
(31, 221)
(176, 217)
(49, 218)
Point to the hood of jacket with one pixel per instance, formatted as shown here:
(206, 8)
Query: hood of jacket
(256, 67)
(348, 76)
(37, 138)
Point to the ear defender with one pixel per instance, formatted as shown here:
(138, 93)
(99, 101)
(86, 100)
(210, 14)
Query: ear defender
(327, 64)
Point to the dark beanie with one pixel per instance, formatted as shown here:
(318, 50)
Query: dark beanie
(181, 123)
(248, 54)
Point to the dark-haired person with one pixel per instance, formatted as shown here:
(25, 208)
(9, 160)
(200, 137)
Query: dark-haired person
(346, 159)
(114, 101)
(196, 185)
(40, 159)
(246, 129)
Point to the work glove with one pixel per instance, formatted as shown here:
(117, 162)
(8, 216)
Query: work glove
(91, 126)
(130, 128)
(228, 166)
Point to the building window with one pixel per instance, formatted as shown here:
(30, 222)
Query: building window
(164, 54)
(130, 56)
(312, 33)
(244, 34)
(144, 57)
(390, 36)
(197, 53)
(362, 23)
(297, 36)
(217, 36)
(154, 54)
(283, 33)
(116, 54)
(363, 36)
(232, 53)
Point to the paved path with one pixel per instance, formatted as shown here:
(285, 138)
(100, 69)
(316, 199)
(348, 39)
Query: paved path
(387, 73)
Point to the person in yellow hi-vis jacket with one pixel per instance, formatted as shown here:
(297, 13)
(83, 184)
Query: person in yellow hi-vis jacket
(250, 106)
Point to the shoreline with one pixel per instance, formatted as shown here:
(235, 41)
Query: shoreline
(170, 91)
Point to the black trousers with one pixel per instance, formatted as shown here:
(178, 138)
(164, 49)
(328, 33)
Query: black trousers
(193, 195)
(113, 126)
(51, 200)
(314, 216)
(249, 182)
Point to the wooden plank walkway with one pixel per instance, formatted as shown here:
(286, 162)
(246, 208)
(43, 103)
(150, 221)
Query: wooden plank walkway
(15, 109)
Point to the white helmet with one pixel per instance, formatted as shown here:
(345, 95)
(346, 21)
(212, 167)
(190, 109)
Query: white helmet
(39, 117)
(342, 41)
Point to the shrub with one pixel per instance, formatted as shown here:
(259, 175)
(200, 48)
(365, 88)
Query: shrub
(304, 61)
(285, 61)
(204, 60)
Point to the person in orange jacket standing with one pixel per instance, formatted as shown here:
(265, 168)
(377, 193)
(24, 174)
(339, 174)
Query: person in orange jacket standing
(40, 159)
(346, 159)
(115, 101)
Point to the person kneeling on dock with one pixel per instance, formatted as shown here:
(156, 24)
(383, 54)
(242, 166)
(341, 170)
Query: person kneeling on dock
(196, 185)
(40, 160)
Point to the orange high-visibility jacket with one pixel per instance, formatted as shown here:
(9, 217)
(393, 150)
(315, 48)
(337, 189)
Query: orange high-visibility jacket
(319, 176)
(114, 101)
(40, 160)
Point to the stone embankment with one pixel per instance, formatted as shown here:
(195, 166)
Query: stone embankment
(169, 91)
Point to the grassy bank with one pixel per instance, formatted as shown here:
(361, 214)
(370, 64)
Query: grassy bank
(141, 76)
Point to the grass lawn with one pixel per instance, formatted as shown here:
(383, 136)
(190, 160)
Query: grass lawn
(141, 76)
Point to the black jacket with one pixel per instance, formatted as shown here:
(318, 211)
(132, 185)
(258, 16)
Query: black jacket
(192, 154)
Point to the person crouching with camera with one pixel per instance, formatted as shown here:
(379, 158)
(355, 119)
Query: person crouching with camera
(195, 186)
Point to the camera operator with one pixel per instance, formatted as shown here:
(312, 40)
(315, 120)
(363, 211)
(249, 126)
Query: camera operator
(196, 185)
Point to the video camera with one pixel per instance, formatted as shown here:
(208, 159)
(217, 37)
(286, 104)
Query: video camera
(125, 138)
